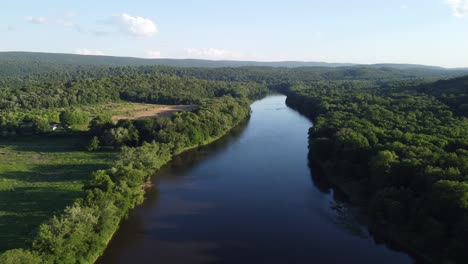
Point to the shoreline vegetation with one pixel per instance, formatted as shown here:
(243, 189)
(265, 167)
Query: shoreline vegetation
(30, 107)
(409, 187)
(82, 232)
(395, 138)
(148, 183)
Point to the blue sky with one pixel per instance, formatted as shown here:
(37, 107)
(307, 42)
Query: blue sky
(431, 32)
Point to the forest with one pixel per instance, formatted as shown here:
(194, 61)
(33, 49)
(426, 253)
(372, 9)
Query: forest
(33, 105)
(81, 232)
(401, 152)
(394, 139)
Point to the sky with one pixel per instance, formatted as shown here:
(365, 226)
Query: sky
(431, 32)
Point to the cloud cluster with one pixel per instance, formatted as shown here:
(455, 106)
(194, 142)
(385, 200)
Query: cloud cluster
(212, 53)
(153, 54)
(136, 25)
(38, 20)
(46, 20)
(89, 52)
(132, 25)
(459, 7)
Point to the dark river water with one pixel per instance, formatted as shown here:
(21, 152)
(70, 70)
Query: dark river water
(248, 198)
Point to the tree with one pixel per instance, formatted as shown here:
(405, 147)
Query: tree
(94, 144)
(99, 124)
(72, 119)
(101, 180)
(41, 125)
(19, 256)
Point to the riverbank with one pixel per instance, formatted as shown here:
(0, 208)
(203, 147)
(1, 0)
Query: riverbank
(351, 189)
(352, 168)
(251, 192)
(83, 230)
(148, 184)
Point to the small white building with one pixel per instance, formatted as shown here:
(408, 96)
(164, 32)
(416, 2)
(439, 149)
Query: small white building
(54, 126)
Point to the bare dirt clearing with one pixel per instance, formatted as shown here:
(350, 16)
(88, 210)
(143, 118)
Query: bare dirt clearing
(137, 111)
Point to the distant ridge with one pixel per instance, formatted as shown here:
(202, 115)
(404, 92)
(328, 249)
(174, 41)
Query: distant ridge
(63, 58)
(22, 58)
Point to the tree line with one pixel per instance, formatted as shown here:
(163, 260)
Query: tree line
(31, 105)
(394, 141)
(81, 232)
(400, 153)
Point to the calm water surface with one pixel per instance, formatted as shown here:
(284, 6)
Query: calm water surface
(249, 198)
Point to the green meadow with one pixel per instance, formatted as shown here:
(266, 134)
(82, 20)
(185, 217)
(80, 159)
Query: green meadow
(39, 177)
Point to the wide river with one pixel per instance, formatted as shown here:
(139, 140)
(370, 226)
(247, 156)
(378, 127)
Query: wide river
(247, 198)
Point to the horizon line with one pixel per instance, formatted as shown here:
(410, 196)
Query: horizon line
(344, 64)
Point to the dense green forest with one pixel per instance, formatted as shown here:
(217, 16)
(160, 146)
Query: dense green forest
(14, 63)
(82, 231)
(393, 137)
(28, 105)
(399, 151)
(33, 105)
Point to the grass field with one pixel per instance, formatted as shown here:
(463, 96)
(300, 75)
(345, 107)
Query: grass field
(39, 177)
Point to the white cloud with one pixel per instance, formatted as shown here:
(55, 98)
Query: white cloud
(38, 20)
(404, 6)
(459, 7)
(46, 20)
(136, 25)
(132, 25)
(89, 52)
(213, 53)
(64, 22)
(154, 54)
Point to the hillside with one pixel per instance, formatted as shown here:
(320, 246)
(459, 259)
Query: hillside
(75, 59)
(59, 58)
(453, 92)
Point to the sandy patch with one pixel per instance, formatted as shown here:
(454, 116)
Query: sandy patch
(148, 110)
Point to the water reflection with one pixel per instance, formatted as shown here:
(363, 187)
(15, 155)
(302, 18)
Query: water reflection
(248, 198)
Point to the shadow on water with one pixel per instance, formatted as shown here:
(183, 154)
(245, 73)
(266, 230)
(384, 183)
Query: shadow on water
(250, 197)
(349, 217)
(134, 230)
(176, 170)
(186, 161)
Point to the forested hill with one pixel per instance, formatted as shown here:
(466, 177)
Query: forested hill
(75, 59)
(453, 92)
(23, 63)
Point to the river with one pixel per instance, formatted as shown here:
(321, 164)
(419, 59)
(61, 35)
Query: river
(247, 198)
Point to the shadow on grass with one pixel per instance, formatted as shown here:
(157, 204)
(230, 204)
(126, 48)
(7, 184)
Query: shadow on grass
(54, 173)
(46, 143)
(41, 176)
(25, 208)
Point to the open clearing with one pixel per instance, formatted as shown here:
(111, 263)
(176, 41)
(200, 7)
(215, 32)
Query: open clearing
(137, 111)
(40, 176)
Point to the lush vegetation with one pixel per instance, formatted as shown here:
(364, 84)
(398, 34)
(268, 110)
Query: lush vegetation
(453, 93)
(400, 153)
(29, 105)
(39, 176)
(82, 231)
(35, 106)
(21, 63)
(390, 136)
